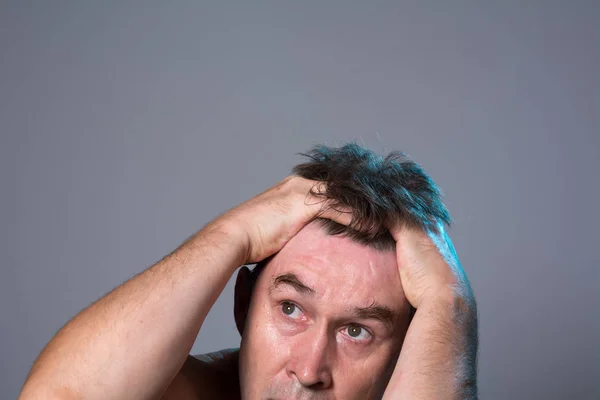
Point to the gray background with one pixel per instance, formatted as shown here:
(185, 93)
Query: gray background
(126, 126)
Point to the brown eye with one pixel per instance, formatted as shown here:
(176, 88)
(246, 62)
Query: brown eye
(358, 332)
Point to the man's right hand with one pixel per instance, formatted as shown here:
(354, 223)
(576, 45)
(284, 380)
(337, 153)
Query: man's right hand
(268, 221)
(147, 342)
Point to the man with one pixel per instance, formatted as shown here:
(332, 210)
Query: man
(357, 294)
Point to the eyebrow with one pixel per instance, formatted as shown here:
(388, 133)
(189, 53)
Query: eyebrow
(374, 311)
(292, 280)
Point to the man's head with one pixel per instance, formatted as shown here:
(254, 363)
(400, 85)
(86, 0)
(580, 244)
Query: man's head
(326, 316)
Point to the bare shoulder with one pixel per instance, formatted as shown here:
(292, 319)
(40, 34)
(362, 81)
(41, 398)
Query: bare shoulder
(213, 375)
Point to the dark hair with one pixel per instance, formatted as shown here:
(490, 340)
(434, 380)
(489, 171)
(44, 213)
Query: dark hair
(378, 190)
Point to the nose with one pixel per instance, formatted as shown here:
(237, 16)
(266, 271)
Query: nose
(311, 359)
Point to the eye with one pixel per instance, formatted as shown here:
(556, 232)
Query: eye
(357, 332)
(290, 309)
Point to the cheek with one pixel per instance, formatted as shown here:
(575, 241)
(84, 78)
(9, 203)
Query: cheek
(264, 349)
(366, 377)
(263, 327)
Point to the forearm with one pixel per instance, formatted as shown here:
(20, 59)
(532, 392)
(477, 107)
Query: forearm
(439, 355)
(132, 342)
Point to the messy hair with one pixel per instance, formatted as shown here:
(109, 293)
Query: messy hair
(379, 191)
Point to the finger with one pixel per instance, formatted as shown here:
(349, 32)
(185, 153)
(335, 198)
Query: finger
(401, 231)
(339, 214)
(322, 207)
(394, 229)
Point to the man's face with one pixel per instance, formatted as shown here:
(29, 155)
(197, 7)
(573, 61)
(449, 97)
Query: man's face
(326, 320)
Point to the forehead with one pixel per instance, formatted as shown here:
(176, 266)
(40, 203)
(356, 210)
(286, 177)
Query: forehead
(340, 270)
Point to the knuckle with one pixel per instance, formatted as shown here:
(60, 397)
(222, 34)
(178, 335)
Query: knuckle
(291, 180)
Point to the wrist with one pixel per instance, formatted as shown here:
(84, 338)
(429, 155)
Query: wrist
(451, 297)
(231, 235)
(442, 294)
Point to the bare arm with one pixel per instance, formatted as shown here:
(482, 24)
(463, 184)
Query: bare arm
(438, 358)
(439, 354)
(132, 342)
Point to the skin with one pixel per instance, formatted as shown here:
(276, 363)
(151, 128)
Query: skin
(311, 352)
(439, 354)
(130, 344)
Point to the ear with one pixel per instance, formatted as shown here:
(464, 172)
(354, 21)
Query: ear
(244, 284)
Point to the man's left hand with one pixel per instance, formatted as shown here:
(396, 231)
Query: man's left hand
(428, 265)
(438, 359)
